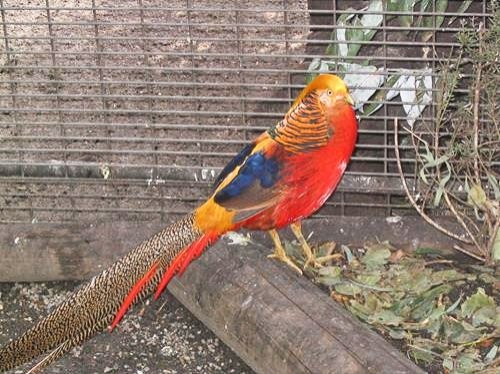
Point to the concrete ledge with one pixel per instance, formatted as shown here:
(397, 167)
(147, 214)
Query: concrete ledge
(77, 251)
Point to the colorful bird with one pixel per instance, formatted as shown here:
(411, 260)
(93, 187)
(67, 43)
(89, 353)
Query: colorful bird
(282, 177)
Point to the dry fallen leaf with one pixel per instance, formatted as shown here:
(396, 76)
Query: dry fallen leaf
(396, 256)
(342, 299)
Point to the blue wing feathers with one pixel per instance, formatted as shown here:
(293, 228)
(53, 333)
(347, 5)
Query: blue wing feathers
(257, 168)
(236, 161)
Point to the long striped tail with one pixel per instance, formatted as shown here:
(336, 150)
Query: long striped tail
(105, 298)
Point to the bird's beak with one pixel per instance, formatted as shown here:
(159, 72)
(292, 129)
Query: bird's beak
(349, 100)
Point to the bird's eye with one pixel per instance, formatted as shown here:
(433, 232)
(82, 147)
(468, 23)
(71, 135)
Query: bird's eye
(329, 92)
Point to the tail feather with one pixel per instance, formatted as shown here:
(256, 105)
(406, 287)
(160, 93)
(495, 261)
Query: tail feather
(51, 357)
(93, 306)
(181, 262)
(129, 300)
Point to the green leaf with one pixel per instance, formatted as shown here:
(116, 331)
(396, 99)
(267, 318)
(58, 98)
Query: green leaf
(330, 271)
(325, 249)
(292, 249)
(348, 289)
(385, 317)
(329, 275)
(370, 279)
(348, 253)
(424, 251)
(363, 79)
(359, 309)
(448, 364)
(338, 35)
(425, 302)
(428, 21)
(454, 306)
(392, 5)
(424, 5)
(366, 23)
(381, 95)
(488, 278)
(495, 251)
(494, 185)
(416, 93)
(421, 354)
(404, 6)
(441, 6)
(419, 282)
(344, 39)
(448, 275)
(485, 315)
(492, 353)
(398, 334)
(372, 302)
(459, 332)
(376, 256)
(354, 35)
(468, 362)
(312, 69)
(332, 49)
(317, 66)
(476, 196)
(440, 190)
(465, 4)
(477, 302)
(434, 322)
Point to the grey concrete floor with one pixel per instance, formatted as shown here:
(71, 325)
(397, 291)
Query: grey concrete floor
(159, 337)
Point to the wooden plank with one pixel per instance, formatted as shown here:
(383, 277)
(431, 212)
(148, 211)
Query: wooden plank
(275, 320)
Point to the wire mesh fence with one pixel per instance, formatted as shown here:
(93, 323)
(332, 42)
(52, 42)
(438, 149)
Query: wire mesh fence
(130, 109)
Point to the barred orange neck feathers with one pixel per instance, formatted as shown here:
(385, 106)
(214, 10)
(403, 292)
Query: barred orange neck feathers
(303, 128)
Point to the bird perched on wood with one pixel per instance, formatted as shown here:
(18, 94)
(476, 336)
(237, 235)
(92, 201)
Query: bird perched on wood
(282, 177)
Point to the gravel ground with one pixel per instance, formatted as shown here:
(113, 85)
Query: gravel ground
(163, 337)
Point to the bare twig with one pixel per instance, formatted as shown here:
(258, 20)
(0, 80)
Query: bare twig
(462, 223)
(435, 262)
(410, 197)
(477, 98)
(468, 253)
(493, 234)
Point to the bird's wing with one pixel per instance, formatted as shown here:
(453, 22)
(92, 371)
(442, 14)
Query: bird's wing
(249, 183)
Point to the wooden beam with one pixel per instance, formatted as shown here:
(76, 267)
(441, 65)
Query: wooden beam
(277, 321)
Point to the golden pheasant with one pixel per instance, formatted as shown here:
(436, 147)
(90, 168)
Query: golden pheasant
(283, 176)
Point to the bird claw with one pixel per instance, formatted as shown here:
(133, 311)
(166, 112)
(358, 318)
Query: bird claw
(314, 262)
(286, 260)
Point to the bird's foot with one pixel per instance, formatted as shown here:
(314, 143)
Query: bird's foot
(284, 258)
(333, 257)
(313, 262)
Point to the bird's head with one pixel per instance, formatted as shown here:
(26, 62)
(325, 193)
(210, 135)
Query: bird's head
(332, 91)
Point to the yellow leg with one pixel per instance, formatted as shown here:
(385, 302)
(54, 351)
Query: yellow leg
(297, 231)
(279, 252)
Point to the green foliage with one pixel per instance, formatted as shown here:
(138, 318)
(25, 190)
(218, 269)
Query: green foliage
(376, 256)
(406, 298)
(354, 30)
(457, 171)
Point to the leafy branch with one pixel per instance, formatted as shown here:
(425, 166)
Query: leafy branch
(372, 86)
(457, 154)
